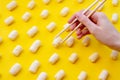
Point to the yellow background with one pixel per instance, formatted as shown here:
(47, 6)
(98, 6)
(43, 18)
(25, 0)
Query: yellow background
(43, 54)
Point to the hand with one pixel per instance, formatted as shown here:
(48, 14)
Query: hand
(99, 26)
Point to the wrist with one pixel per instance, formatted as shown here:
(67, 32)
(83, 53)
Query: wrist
(116, 43)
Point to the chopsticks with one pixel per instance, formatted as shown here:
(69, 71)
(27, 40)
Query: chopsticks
(86, 10)
(80, 24)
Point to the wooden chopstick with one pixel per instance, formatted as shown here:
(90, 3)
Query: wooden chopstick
(91, 13)
(85, 11)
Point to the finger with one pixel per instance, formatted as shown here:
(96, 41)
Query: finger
(80, 36)
(71, 19)
(83, 33)
(81, 27)
(78, 32)
(74, 25)
(94, 17)
(86, 21)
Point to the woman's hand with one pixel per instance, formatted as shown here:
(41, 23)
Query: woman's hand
(99, 26)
